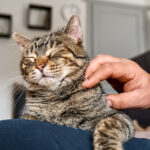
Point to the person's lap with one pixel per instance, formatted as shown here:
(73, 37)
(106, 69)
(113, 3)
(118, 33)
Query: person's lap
(26, 135)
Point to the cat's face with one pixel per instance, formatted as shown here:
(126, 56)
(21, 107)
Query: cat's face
(54, 60)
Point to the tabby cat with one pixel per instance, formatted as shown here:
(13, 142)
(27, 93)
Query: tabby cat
(53, 68)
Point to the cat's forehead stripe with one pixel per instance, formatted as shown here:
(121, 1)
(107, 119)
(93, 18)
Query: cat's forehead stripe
(51, 47)
(49, 51)
(29, 54)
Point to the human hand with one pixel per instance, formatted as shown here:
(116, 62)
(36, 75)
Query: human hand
(125, 76)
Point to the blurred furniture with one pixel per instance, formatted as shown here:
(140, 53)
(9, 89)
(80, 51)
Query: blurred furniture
(143, 60)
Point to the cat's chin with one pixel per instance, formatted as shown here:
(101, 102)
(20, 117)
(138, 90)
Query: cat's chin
(49, 82)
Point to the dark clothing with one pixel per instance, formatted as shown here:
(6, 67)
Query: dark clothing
(20, 134)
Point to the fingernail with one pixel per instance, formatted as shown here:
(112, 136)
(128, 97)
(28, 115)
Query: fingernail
(86, 75)
(85, 82)
(86, 79)
(108, 100)
(109, 103)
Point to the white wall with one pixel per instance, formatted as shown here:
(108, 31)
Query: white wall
(9, 52)
(145, 3)
(132, 2)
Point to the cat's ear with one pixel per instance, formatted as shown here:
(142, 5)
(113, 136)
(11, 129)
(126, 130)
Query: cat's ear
(73, 29)
(22, 41)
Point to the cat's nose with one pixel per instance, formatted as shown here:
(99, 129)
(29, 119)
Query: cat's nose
(41, 63)
(40, 67)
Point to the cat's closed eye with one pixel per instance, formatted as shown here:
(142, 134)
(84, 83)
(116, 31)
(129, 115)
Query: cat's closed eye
(29, 61)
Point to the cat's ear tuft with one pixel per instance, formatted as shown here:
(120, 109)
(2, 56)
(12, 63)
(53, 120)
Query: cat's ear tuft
(21, 41)
(73, 29)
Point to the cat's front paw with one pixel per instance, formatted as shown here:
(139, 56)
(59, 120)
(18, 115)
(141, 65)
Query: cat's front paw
(108, 146)
(28, 117)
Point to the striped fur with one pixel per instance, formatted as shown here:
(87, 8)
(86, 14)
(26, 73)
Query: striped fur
(53, 67)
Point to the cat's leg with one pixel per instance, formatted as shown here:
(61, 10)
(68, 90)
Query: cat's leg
(28, 117)
(111, 132)
(32, 116)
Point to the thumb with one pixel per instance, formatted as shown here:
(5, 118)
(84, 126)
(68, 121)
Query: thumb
(123, 100)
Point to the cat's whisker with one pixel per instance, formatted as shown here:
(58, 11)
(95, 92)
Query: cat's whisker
(19, 87)
(14, 96)
(12, 81)
(18, 99)
(16, 93)
(15, 72)
(83, 77)
(17, 90)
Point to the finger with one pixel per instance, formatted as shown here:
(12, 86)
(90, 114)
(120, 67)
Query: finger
(97, 62)
(109, 70)
(123, 100)
(101, 74)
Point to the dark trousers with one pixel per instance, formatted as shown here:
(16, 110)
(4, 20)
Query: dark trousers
(20, 134)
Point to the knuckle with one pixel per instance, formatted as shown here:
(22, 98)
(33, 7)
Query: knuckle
(119, 104)
(127, 87)
(108, 65)
(123, 103)
(104, 56)
(108, 57)
(127, 61)
(99, 56)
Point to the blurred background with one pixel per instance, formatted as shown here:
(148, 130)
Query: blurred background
(117, 27)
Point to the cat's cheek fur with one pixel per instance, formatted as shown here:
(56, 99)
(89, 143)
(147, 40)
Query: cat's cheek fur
(34, 76)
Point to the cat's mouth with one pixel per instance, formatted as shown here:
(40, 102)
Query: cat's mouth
(47, 76)
(48, 80)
